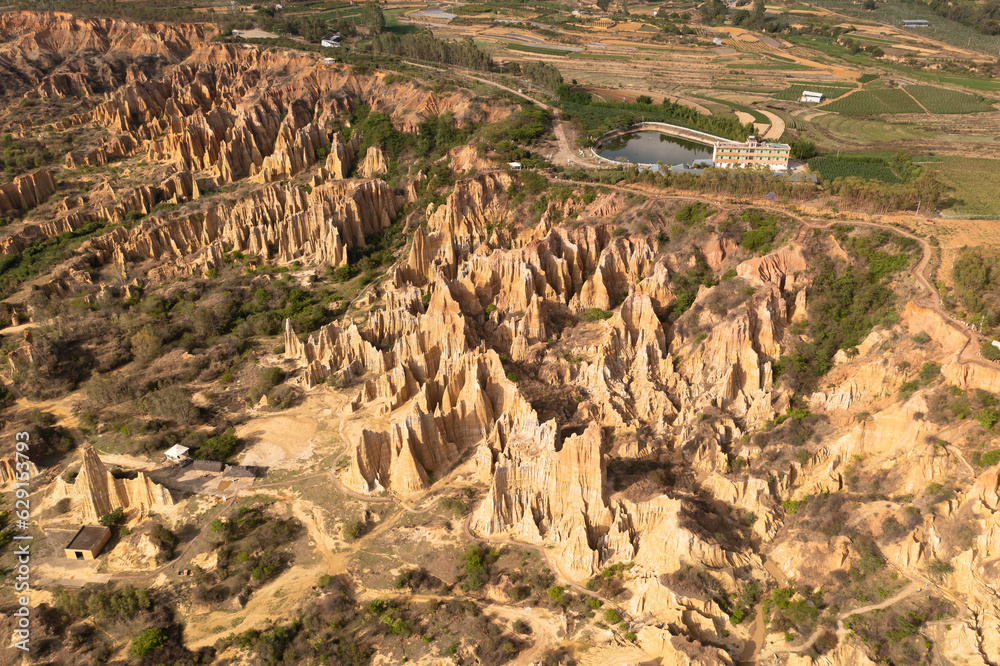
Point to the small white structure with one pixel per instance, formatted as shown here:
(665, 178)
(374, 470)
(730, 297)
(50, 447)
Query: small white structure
(329, 61)
(329, 44)
(717, 41)
(811, 97)
(235, 33)
(516, 166)
(177, 453)
(996, 343)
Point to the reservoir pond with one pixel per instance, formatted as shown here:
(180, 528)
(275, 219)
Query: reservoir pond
(649, 147)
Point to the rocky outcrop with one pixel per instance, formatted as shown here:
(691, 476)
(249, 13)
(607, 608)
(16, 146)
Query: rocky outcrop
(374, 163)
(10, 474)
(295, 150)
(340, 161)
(105, 205)
(27, 191)
(96, 492)
(281, 224)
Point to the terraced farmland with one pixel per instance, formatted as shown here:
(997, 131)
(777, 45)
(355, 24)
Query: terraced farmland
(872, 102)
(794, 91)
(940, 100)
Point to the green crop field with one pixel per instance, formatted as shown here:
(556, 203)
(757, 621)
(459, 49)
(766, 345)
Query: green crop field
(871, 102)
(597, 56)
(843, 132)
(771, 65)
(830, 168)
(537, 49)
(974, 183)
(795, 91)
(939, 100)
(875, 40)
(867, 78)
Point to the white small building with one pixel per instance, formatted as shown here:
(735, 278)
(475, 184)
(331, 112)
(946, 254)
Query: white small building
(515, 166)
(717, 41)
(330, 44)
(329, 61)
(811, 97)
(177, 453)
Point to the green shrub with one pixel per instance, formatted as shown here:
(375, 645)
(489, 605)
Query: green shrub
(595, 314)
(940, 568)
(220, 447)
(989, 351)
(343, 273)
(990, 459)
(921, 338)
(611, 616)
(988, 417)
(113, 517)
(477, 570)
(353, 529)
(929, 372)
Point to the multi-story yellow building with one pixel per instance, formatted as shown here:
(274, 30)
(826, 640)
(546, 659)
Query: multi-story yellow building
(728, 154)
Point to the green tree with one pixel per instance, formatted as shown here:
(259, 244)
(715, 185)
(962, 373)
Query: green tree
(373, 17)
(113, 518)
(148, 641)
(803, 149)
(146, 344)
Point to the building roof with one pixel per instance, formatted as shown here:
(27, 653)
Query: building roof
(208, 465)
(243, 471)
(176, 451)
(88, 536)
(760, 144)
(809, 92)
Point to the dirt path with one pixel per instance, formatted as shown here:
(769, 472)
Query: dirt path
(910, 590)
(777, 127)
(914, 99)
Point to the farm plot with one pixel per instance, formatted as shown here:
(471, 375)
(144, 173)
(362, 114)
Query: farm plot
(793, 92)
(830, 168)
(974, 183)
(758, 117)
(872, 102)
(527, 48)
(939, 100)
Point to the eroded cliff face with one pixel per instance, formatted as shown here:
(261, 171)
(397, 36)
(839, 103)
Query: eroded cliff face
(608, 394)
(443, 383)
(207, 117)
(95, 492)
